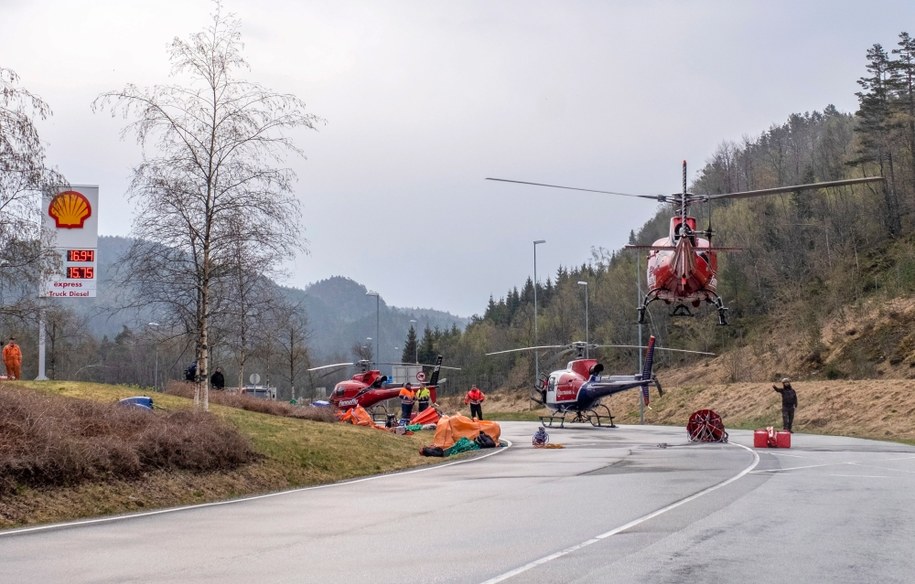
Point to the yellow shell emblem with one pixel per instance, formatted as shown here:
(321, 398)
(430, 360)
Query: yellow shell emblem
(70, 210)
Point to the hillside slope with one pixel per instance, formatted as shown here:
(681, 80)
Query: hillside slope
(878, 336)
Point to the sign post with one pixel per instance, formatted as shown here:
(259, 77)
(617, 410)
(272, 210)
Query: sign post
(71, 214)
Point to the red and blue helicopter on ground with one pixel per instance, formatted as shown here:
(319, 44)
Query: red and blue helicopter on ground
(574, 394)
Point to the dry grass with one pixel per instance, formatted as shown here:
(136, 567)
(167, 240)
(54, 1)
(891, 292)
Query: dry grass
(52, 441)
(288, 451)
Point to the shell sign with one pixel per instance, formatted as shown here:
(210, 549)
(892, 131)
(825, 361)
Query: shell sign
(70, 209)
(70, 216)
(70, 225)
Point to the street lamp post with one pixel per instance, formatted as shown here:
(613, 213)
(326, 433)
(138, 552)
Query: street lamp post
(536, 341)
(638, 299)
(587, 328)
(377, 313)
(415, 342)
(156, 366)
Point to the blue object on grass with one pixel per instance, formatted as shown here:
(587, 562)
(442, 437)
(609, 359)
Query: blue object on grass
(140, 401)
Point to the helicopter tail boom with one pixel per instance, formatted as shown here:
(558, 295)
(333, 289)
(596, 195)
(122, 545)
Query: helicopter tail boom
(433, 379)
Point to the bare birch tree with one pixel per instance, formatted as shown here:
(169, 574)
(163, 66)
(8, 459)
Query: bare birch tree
(24, 257)
(213, 154)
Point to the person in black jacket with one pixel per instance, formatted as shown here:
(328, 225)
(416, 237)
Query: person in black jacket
(789, 403)
(217, 380)
(190, 372)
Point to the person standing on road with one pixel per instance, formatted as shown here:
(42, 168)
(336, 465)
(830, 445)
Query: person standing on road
(475, 398)
(12, 358)
(789, 403)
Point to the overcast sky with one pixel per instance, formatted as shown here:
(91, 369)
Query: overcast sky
(424, 99)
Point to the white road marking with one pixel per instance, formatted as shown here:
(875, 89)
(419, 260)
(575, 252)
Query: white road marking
(631, 524)
(242, 500)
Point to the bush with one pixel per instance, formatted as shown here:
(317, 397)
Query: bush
(57, 441)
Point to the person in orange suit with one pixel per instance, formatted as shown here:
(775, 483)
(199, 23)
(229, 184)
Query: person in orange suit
(475, 398)
(12, 358)
(407, 397)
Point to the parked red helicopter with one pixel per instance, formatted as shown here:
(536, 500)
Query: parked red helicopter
(683, 267)
(369, 388)
(579, 388)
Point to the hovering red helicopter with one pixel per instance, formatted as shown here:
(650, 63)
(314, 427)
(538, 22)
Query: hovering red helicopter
(369, 388)
(579, 388)
(683, 267)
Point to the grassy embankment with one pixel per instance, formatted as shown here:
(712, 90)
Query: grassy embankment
(284, 452)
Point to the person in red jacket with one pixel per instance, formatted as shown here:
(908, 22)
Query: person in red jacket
(12, 358)
(475, 398)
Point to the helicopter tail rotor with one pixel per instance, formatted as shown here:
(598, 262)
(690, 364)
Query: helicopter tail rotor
(709, 232)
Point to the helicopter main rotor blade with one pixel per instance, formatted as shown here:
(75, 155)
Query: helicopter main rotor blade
(527, 349)
(656, 349)
(422, 365)
(788, 189)
(661, 198)
(330, 366)
(673, 248)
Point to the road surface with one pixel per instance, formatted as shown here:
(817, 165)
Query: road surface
(631, 504)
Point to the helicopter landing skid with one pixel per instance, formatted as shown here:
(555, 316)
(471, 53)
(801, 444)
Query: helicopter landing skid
(595, 417)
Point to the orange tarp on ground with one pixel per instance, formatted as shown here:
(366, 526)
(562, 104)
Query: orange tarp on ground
(358, 416)
(427, 416)
(450, 429)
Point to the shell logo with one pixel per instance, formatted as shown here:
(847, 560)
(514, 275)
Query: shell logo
(70, 210)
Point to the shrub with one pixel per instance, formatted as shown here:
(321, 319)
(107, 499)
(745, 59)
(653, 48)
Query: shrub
(58, 441)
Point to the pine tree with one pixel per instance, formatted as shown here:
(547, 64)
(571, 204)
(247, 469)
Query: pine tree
(902, 83)
(410, 348)
(874, 130)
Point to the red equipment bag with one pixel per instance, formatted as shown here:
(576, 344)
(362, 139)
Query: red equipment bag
(769, 438)
(783, 439)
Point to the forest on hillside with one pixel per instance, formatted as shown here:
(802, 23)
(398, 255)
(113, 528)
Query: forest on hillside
(797, 257)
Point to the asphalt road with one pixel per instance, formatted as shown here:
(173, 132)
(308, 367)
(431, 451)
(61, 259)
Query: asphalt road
(632, 504)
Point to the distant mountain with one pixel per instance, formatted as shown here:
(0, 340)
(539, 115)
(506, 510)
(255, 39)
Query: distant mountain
(339, 312)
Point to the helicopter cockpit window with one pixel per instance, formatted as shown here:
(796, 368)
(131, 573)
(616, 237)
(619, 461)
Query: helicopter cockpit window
(338, 390)
(551, 385)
